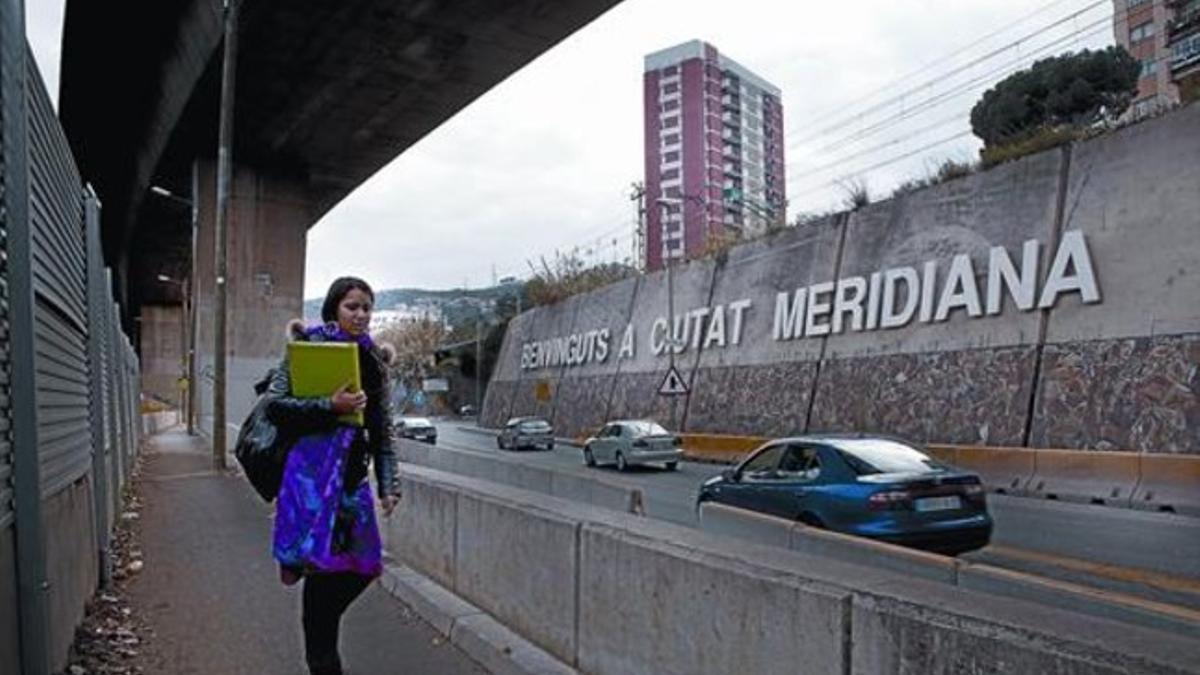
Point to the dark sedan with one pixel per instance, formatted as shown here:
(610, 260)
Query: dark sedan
(416, 428)
(879, 488)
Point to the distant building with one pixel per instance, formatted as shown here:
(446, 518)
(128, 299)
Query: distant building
(714, 151)
(402, 313)
(1164, 36)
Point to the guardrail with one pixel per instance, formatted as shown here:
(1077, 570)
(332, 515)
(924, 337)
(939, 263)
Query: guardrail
(610, 593)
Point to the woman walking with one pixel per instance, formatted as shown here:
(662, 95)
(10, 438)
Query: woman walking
(325, 528)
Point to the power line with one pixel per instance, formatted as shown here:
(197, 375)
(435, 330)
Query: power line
(825, 113)
(954, 71)
(936, 101)
(884, 163)
(965, 87)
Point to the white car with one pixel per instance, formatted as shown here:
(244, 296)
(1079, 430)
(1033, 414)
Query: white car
(627, 443)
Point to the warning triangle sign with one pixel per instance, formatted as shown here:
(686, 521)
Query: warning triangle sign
(672, 384)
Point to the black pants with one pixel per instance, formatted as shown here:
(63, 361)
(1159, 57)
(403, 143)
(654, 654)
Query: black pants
(326, 597)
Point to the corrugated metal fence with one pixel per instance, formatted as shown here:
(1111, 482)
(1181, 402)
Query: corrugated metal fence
(69, 399)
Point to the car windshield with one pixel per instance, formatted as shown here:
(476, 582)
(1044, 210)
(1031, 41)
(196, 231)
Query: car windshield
(535, 425)
(877, 455)
(640, 429)
(417, 422)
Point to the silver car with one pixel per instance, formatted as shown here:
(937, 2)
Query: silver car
(629, 442)
(526, 432)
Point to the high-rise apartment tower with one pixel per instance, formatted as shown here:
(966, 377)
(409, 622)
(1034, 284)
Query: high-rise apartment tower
(1164, 36)
(714, 152)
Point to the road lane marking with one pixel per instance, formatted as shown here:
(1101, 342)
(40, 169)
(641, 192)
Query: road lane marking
(1166, 582)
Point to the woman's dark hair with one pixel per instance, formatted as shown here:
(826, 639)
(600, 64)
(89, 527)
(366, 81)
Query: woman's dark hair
(338, 290)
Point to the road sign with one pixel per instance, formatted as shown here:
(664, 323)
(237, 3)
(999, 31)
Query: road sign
(672, 384)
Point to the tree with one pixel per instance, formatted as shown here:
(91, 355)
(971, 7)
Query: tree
(415, 343)
(1072, 89)
(568, 275)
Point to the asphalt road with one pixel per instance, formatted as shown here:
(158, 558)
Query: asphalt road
(1153, 555)
(211, 593)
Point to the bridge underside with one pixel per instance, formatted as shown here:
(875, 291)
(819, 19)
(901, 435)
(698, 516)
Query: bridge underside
(328, 92)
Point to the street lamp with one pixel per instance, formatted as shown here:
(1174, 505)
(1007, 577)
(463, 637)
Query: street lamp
(190, 315)
(187, 343)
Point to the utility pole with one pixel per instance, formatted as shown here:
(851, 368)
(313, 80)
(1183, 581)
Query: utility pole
(639, 236)
(478, 359)
(224, 172)
(669, 262)
(192, 315)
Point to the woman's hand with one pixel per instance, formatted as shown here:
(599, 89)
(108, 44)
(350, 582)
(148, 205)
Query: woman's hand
(345, 402)
(388, 504)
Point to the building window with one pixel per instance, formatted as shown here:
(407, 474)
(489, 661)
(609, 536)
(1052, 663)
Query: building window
(1141, 31)
(671, 139)
(672, 156)
(673, 104)
(1185, 51)
(670, 174)
(1149, 66)
(670, 70)
(671, 122)
(670, 88)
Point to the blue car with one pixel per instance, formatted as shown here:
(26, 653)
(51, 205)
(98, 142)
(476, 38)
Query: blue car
(875, 487)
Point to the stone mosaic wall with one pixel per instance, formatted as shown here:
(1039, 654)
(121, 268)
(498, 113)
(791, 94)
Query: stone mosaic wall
(1121, 374)
(769, 400)
(977, 396)
(1136, 394)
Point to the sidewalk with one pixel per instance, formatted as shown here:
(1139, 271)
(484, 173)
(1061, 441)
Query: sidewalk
(210, 588)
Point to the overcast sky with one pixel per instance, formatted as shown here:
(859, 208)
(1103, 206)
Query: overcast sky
(545, 160)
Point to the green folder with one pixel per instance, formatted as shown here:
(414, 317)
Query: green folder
(320, 368)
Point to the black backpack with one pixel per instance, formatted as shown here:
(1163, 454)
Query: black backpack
(261, 447)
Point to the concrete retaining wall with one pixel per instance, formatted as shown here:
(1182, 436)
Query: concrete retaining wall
(10, 638)
(72, 562)
(610, 593)
(1110, 375)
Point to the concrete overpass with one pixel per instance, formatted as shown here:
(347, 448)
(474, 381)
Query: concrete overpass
(328, 92)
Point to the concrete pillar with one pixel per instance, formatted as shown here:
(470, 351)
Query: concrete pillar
(269, 219)
(163, 347)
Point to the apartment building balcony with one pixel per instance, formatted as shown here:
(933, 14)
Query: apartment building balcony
(1185, 52)
(1186, 21)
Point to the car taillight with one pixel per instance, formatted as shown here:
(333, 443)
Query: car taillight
(886, 501)
(975, 492)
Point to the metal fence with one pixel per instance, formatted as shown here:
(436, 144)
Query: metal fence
(69, 376)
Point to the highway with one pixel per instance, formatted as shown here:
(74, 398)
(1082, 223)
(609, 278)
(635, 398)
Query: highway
(1154, 556)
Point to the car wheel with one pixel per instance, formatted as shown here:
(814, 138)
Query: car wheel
(622, 465)
(499, 443)
(671, 466)
(549, 446)
(588, 458)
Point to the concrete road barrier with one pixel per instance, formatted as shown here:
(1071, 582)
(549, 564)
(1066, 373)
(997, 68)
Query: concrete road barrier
(609, 594)
(595, 491)
(720, 448)
(1085, 476)
(1168, 483)
(772, 531)
(745, 524)
(1003, 470)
